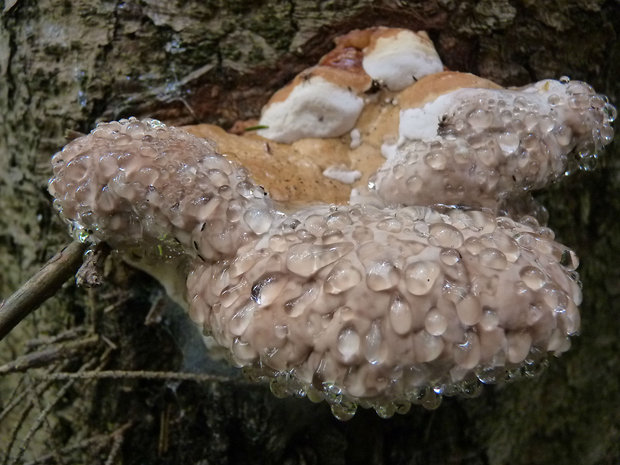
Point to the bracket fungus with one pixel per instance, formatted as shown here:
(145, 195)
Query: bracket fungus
(388, 258)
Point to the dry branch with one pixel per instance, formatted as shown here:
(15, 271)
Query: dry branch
(40, 287)
(122, 374)
(48, 355)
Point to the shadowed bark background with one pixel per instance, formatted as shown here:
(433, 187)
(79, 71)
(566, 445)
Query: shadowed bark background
(64, 65)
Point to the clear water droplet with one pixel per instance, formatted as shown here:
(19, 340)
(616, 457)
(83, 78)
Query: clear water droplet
(480, 119)
(533, 277)
(435, 322)
(469, 310)
(421, 276)
(242, 318)
(344, 411)
(267, 288)
(373, 344)
(508, 142)
(493, 258)
(258, 220)
(436, 160)
(382, 276)
(307, 259)
(342, 278)
(401, 317)
(444, 235)
(450, 257)
(349, 344)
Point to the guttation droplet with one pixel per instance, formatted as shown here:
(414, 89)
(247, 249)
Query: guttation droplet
(420, 277)
(306, 259)
(242, 318)
(508, 142)
(436, 161)
(342, 278)
(372, 346)
(435, 323)
(267, 289)
(401, 317)
(480, 119)
(445, 235)
(493, 258)
(532, 277)
(258, 220)
(469, 310)
(348, 343)
(382, 276)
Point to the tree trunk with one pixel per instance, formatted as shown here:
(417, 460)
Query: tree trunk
(64, 65)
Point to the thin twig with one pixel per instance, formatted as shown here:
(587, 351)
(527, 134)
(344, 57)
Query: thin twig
(16, 400)
(68, 334)
(18, 425)
(122, 374)
(48, 355)
(37, 401)
(16, 396)
(40, 287)
(98, 439)
(164, 422)
(41, 417)
(38, 391)
(117, 442)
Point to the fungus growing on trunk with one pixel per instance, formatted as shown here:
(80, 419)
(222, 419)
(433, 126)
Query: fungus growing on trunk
(399, 285)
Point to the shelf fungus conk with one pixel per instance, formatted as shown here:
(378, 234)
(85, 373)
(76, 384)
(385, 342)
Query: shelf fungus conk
(376, 244)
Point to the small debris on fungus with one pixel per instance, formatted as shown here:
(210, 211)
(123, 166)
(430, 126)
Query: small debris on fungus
(417, 280)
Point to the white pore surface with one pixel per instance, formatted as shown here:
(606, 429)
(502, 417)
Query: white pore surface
(342, 174)
(423, 123)
(469, 146)
(356, 138)
(397, 61)
(314, 108)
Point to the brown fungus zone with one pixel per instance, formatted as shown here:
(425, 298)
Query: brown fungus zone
(375, 292)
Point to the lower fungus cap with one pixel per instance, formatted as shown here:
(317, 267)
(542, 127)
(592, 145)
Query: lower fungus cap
(386, 303)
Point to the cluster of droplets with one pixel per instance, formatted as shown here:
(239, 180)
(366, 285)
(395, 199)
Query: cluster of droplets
(599, 112)
(384, 308)
(493, 143)
(157, 189)
(343, 407)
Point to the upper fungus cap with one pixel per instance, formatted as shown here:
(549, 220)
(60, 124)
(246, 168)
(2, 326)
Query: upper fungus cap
(399, 57)
(326, 100)
(139, 183)
(316, 104)
(477, 145)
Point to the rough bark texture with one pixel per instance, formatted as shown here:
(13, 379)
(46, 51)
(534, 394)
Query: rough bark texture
(66, 64)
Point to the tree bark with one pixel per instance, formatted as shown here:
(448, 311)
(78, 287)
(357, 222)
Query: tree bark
(64, 65)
